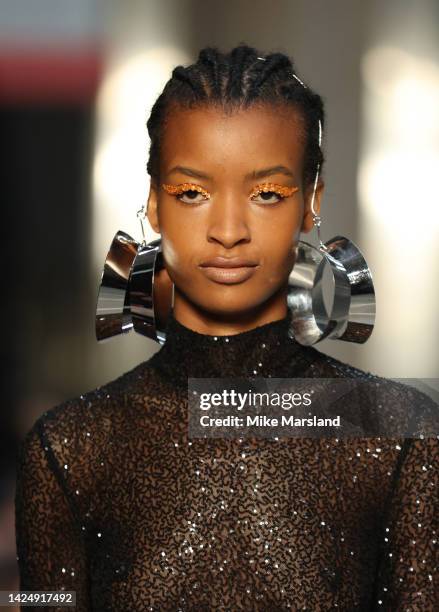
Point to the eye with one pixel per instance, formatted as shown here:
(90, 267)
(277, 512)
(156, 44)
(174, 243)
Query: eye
(187, 192)
(263, 194)
(265, 197)
(190, 196)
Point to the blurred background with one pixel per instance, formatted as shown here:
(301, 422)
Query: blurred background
(77, 81)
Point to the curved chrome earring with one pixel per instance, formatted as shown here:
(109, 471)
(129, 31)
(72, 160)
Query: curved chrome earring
(135, 291)
(352, 315)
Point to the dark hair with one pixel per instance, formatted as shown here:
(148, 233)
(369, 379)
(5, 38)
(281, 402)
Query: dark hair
(238, 79)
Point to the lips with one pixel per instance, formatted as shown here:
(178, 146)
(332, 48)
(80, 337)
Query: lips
(229, 270)
(228, 262)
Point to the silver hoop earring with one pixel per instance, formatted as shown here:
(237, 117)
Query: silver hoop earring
(352, 315)
(134, 292)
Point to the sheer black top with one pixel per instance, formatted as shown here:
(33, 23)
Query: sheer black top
(115, 502)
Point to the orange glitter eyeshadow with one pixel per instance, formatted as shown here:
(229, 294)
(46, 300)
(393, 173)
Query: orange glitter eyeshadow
(178, 189)
(279, 189)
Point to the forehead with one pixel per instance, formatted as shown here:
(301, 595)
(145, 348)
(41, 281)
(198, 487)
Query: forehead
(234, 142)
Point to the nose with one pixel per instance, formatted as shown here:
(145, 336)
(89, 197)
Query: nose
(228, 223)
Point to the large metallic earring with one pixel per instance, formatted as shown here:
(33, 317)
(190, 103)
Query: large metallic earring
(352, 315)
(135, 290)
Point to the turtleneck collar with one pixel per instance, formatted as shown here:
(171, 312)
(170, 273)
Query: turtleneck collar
(264, 351)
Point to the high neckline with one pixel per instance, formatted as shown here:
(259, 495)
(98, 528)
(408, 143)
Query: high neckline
(268, 350)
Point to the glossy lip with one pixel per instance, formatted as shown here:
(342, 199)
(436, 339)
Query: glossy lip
(229, 276)
(228, 271)
(228, 262)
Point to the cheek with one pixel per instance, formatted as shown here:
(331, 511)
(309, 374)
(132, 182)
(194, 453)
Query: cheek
(177, 254)
(178, 235)
(277, 238)
(278, 259)
(277, 250)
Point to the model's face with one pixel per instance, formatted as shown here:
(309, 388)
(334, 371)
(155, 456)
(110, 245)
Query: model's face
(210, 203)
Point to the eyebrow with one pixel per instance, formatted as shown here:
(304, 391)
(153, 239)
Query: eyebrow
(256, 174)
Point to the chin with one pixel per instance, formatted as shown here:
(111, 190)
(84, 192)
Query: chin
(228, 300)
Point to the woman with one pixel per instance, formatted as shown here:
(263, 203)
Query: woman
(117, 503)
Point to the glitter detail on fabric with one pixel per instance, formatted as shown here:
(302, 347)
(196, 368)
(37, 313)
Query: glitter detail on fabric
(115, 502)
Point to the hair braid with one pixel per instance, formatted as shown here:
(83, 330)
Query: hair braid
(273, 63)
(211, 60)
(240, 58)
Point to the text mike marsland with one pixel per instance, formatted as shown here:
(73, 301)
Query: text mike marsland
(265, 421)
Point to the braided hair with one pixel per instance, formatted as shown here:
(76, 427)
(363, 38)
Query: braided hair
(236, 80)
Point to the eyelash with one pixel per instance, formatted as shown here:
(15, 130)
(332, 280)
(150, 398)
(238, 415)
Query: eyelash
(280, 190)
(177, 190)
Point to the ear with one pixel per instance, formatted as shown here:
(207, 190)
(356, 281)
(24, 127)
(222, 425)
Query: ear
(308, 221)
(151, 208)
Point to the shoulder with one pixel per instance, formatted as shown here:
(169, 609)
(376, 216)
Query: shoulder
(326, 366)
(96, 405)
(77, 434)
(399, 406)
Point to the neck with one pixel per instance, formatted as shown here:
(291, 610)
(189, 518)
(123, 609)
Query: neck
(228, 322)
(267, 350)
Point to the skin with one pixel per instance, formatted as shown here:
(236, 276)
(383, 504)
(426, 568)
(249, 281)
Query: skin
(227, 147)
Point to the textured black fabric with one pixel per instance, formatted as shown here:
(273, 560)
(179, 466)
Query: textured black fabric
(115, 501)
